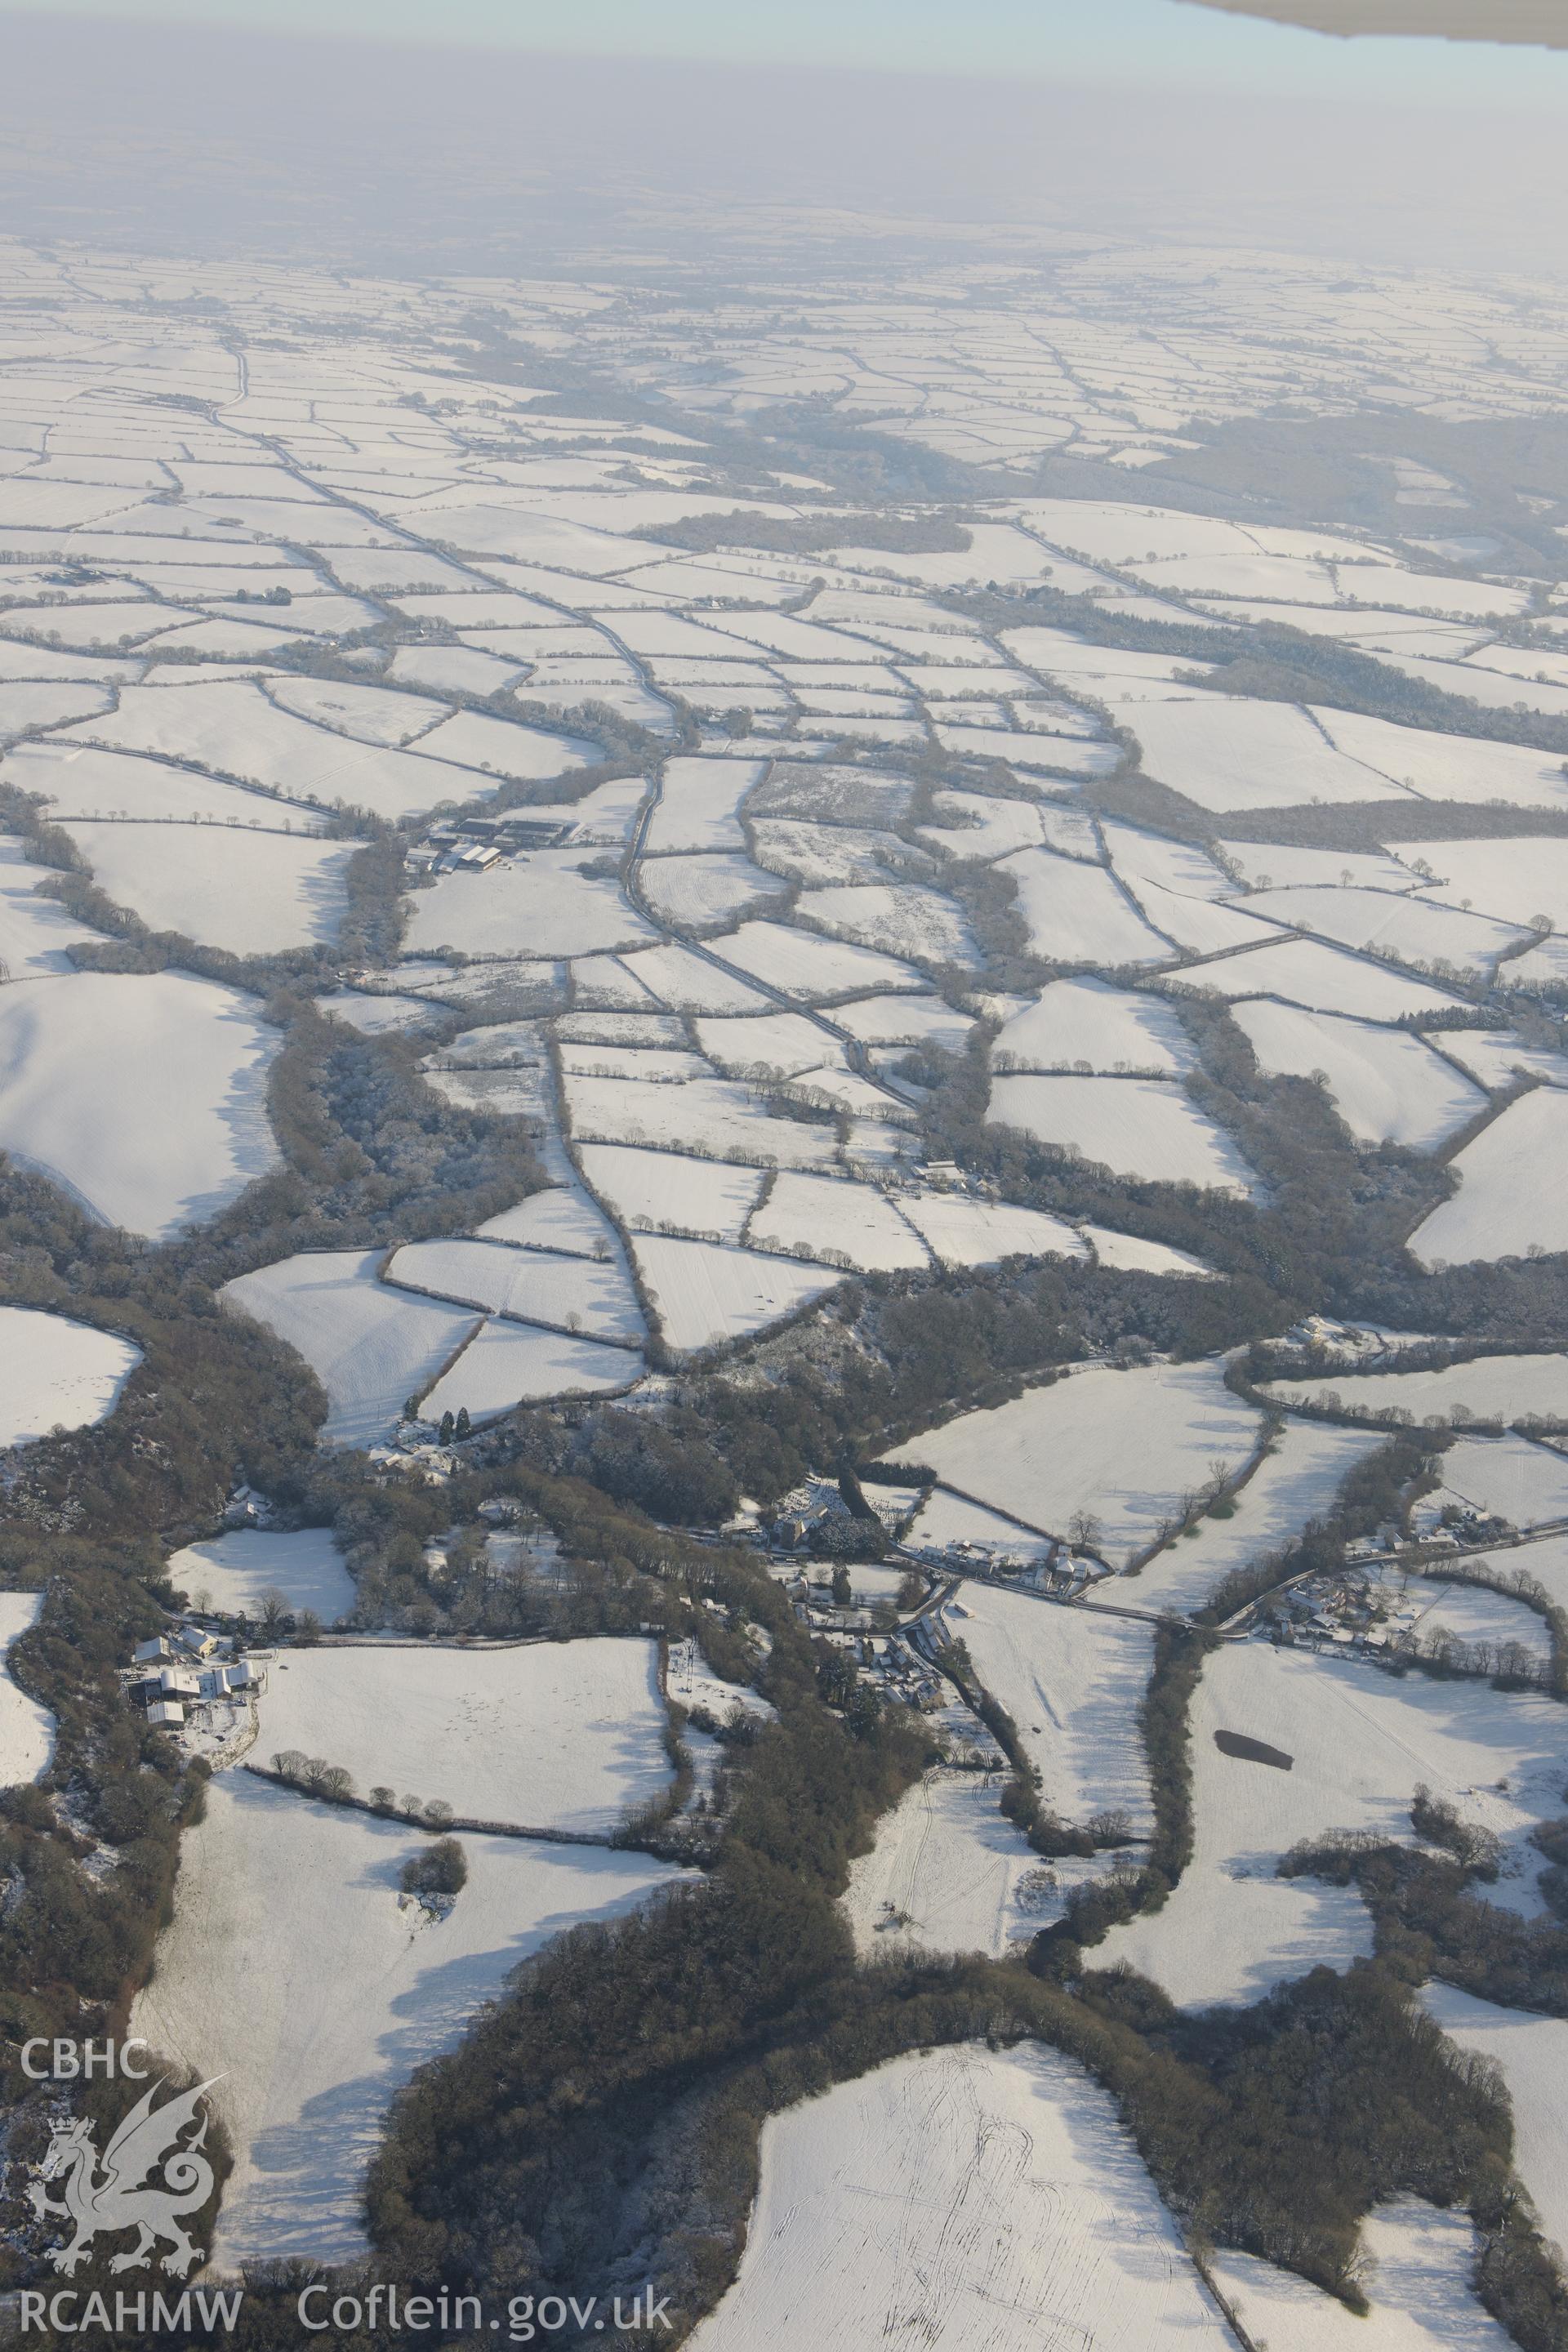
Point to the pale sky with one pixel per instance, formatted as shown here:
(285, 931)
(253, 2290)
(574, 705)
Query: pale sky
(1159, 42)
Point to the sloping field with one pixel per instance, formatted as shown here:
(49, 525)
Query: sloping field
(1135, 1127)
(26, 1729)
(767, 1044)
(473, 739)
(144, 1095)
(660, 1189)
(1121, 1445)
(80, 780)
(1114, 1030)
(55, 1374)
(34, 931)
(1473, 1613)
(1072, 1684)
(1419, 2281)
(1128, 1254)
(507, 1364)
(697, 804)
(687, 982)
(1515, 877)
(1532, 2053)
(711, 1116)
(229, 726)
(282, 1904)
(949, 1864)
(1360, 1741)
(945, 1519)
(371, 1346)
(904, 1021)
(1488, 1388)
(1496, 1058)
(1386, 1086)
(248, 893)
(562, 1218)
(902, 918)
(542, 907)
(1200, 924)
(1076, 914)
(1522, 1482)
(1296, 1483)
(587, 1295)
(1510, 1199)
(1328, 980)
(1449, 767)
(370, 713)
(234, 1570)
(982, 1233)
(704, 1294)
(1391, 924)
(817, 1214)
(550, 1734)
(1226, 752)
(963, 2198)
(809, 968)
(702, 891)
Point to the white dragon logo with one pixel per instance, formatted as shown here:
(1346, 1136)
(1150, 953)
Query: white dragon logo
(119, 2196)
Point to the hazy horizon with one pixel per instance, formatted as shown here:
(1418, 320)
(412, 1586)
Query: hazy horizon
(376, 155)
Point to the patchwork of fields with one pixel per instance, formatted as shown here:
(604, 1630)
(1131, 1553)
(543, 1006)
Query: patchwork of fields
(705, 1135)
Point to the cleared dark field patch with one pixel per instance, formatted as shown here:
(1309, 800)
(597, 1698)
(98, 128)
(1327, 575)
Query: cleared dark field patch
(1252, 1751)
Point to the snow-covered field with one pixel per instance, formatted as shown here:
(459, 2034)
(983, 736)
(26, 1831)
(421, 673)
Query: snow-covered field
(1113, 1030)
(1406, 930)
(507, 1364)
(231, 1573)
(668, 1190)
(821, 1217)
(143, 1095)
(1135, 1127)
(717, 1117)
(1487, 1388)
(1123, 1445)
(1296, 1483)
(1072, 1683)
(1532, 2053)
(1360, 1741)
(26, 1729)
(1519, 1480)
(963, 2199)
(946, 1518)
(1510, 1199)
(56, 1373)
(944, 1874)
(1386, 1086)
(538, 907)
(229, 726)
(1076, 914)
(813, 970)
(550, 1734)
(903, 920)
(702, 891)
(34, 931)
(1474, 1613)
(1325, 979)
(293, 1972)
(251, 893)
(704, 1293)
(698, 802)
(1419, 2290)
(584, 1295)
(371, 1346)
(982, 1233)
